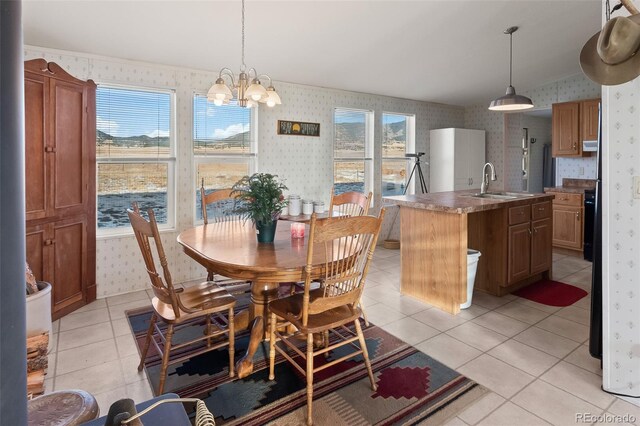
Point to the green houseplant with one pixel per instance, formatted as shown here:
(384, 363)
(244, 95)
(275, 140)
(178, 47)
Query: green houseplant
(259, 198)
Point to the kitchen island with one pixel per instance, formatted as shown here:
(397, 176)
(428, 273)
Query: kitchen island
(512, 231)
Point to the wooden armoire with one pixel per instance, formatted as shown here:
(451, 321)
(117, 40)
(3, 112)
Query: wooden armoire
(60, 133)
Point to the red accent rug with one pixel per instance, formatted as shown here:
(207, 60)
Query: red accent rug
(552, 293)
(413, 388)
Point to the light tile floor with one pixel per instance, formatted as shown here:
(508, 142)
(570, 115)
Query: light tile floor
(534, 358)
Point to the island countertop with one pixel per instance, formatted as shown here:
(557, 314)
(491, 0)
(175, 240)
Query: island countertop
(461, 202)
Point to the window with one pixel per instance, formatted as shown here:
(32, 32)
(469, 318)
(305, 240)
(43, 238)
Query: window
(224, 146)
(134, 153)
(398, 136)
(352, 150)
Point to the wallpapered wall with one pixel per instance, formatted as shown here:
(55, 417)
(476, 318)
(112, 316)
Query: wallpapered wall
(479, 117)
(621, 238)
(305, 162)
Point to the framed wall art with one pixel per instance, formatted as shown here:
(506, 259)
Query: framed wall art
(298, 128)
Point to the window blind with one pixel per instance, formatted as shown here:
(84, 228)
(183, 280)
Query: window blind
(132, 123)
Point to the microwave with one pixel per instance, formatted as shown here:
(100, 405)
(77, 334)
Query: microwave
(589, 146)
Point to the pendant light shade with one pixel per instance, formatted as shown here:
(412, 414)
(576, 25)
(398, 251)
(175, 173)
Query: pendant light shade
(511, 101)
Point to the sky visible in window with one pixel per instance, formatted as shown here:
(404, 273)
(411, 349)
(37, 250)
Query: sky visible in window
(219, 122)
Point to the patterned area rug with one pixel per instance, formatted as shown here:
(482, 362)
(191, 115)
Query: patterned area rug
(412, 387)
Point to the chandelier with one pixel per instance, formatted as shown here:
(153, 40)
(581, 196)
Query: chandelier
(247, 86)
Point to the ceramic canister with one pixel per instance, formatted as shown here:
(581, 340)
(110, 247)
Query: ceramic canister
(307, 207)
(318, 206)
(295, 206)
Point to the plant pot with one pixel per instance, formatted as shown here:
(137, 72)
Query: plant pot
(266, 231)
(39, 312)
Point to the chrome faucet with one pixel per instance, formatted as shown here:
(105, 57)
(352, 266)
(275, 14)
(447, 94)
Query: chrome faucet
(485, 177)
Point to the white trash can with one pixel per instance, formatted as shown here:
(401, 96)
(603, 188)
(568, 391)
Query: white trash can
(38, 309)
(473, 256)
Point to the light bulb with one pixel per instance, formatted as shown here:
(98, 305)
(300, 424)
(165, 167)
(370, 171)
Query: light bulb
(271, 103)
(256, 96)
(218, 101)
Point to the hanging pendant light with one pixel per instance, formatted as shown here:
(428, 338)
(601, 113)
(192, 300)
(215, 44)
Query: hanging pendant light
(247, 86)
(511, 101)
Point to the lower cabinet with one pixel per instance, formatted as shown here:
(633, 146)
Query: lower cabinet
(529, 242)
(517, 244)
(567, 226)
(568, 220)
(57, 253)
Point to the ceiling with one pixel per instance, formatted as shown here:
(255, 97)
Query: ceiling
(452, 52)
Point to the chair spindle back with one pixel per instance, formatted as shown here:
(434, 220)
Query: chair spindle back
(145, 230)
(223, 203)
(349, 203)
(348, 245)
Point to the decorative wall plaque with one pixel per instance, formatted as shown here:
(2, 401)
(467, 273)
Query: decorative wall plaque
(299, 128)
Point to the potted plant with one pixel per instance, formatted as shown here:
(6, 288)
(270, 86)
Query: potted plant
(259, 198)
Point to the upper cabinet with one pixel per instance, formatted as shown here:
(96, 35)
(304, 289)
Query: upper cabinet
(573, 123)
(456, 159)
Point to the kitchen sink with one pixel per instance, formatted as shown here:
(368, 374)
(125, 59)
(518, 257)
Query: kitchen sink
(500, 195)
(491, 195)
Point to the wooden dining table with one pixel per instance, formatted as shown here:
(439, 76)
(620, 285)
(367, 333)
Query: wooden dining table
(231, 249)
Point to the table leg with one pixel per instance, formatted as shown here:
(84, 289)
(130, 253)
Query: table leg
(261, 294)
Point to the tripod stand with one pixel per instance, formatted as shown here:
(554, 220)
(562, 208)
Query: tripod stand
(395, 244)
(416, 166)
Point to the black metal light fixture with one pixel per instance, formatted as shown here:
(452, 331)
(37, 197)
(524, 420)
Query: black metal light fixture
(511, 101)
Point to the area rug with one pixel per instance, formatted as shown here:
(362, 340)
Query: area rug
(552, 293)
(412, 387)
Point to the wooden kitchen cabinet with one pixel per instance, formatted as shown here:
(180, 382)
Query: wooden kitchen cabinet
(541, 256)
(573, 123)
(519, 241)
(589, 119)
(519, 252)
(529, 241)
(565, 133)
(567, 227)
(60, 188)
(568, 220)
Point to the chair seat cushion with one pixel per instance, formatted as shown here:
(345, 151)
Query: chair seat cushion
(205, 297)
(290, 307)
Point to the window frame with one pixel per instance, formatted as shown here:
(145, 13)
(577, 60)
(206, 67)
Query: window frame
(171, 161)
(250, 158)
(369, 154)
(409, 148)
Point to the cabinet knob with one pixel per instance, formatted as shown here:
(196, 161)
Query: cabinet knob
(49, 149)
(577, 215)
(471, 181)
(49, 242)
(540, 209)
(529, 231)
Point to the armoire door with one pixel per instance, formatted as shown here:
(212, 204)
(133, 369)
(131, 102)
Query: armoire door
(68, 130)
(37, 185)
(69, 258)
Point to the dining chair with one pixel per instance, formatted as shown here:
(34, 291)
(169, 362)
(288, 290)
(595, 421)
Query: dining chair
(180, 307)
(350, 203)
(348, 245)
(221, 201)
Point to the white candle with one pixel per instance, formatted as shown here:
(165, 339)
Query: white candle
(297, 230)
